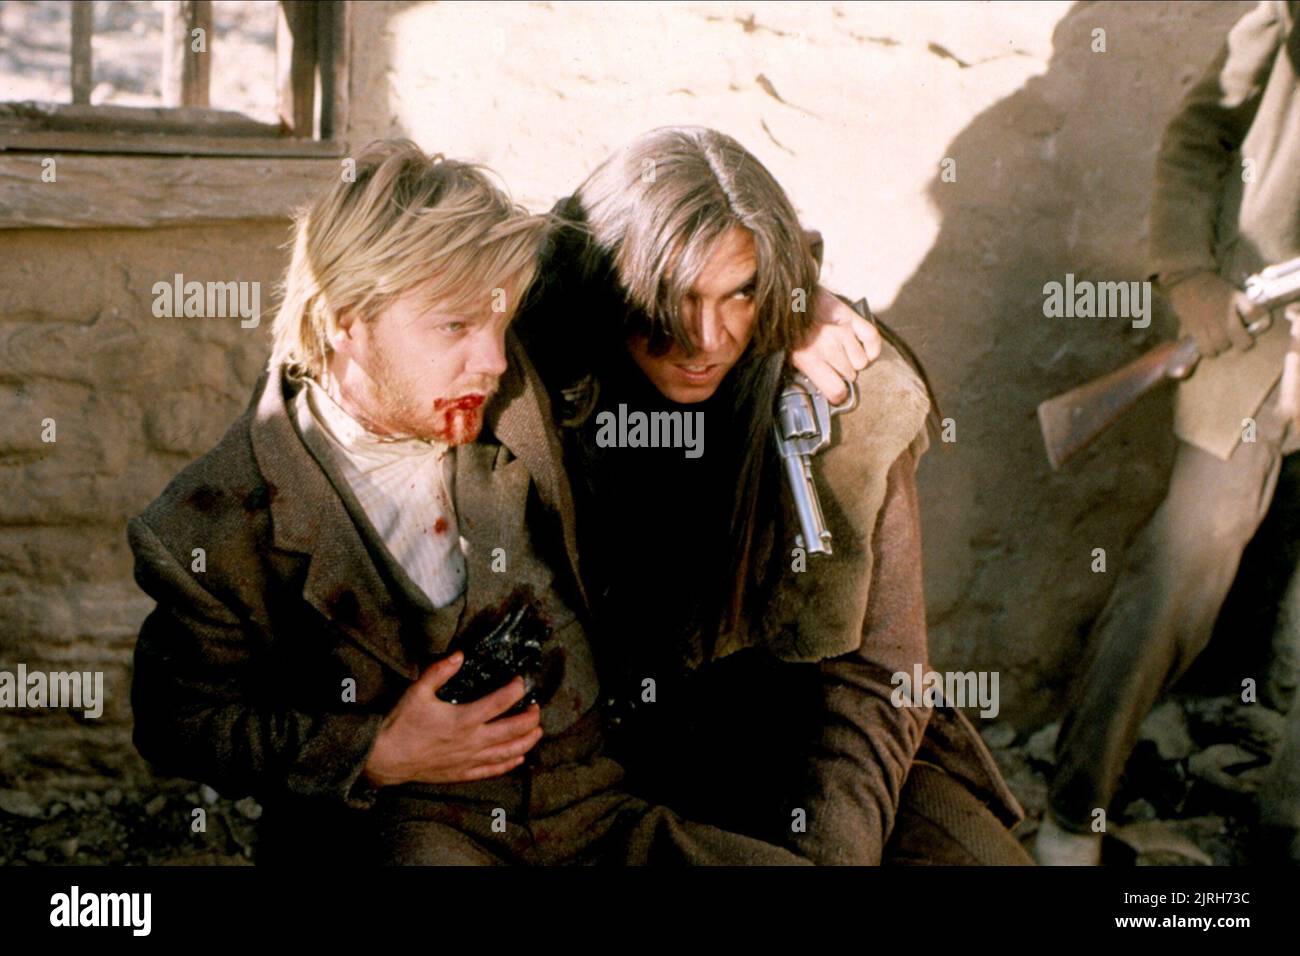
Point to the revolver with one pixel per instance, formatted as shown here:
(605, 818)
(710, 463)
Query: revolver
(1271, 289)
(497, 651)
(802, 429)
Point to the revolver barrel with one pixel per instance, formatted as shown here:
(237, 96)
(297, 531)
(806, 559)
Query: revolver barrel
(803, 428)
(816, 536)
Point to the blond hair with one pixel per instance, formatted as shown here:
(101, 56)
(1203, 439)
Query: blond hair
(407, 220)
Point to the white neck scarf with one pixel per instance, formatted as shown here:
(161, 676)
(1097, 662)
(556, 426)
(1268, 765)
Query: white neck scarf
(403, 486)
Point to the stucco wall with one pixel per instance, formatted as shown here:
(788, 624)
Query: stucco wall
(133, 399)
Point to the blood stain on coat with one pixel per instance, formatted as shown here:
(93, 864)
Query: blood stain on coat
(203, 498)
(259, 497)
(344, 606)
(440, 526)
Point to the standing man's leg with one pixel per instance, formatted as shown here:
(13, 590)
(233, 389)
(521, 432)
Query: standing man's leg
(1279, 798)
(1157, 620)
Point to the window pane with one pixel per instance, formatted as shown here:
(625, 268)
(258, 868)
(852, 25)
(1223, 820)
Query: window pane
(127, 45)
(35, 50)
(243, 64)
(127, 56)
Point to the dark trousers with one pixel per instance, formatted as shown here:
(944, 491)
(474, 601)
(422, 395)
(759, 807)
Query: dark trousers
(566, 805)
(572, 804)
(940, 823)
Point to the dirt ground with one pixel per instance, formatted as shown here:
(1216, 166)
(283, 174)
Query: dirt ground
(1186, 800)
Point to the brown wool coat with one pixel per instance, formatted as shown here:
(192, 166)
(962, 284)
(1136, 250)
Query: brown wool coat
(238, 670)
(861, 613)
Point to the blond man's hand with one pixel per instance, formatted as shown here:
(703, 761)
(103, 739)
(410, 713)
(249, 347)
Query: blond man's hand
(427, 740)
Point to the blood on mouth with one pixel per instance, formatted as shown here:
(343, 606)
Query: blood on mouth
(458, 419)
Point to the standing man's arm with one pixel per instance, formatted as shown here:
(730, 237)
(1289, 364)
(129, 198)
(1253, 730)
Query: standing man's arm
(1198, 152)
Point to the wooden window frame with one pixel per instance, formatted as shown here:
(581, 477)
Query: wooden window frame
(312, 55)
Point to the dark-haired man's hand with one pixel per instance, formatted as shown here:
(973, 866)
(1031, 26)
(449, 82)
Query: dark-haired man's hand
(841, 344)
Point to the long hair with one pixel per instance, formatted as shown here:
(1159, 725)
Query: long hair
(654, 213)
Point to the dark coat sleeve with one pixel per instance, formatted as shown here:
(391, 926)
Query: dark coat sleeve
(865, 745)
(208, 707)
(1199, 147)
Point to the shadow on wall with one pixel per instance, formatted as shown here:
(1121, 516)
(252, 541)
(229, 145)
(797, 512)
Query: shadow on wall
(1053, 180)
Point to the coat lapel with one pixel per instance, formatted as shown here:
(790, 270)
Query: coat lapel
(342, 581)
(309, 517)
(520, 418)
(491, 497)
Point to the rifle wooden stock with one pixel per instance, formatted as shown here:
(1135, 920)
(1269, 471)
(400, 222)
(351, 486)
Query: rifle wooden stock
(1072, 420)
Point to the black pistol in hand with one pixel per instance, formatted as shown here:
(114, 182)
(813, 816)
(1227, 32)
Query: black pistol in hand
(499, 647)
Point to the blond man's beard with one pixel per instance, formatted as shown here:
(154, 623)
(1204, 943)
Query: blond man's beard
(449, 420)
(401, 413)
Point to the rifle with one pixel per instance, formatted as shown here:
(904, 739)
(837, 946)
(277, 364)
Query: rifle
(1073, 419)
